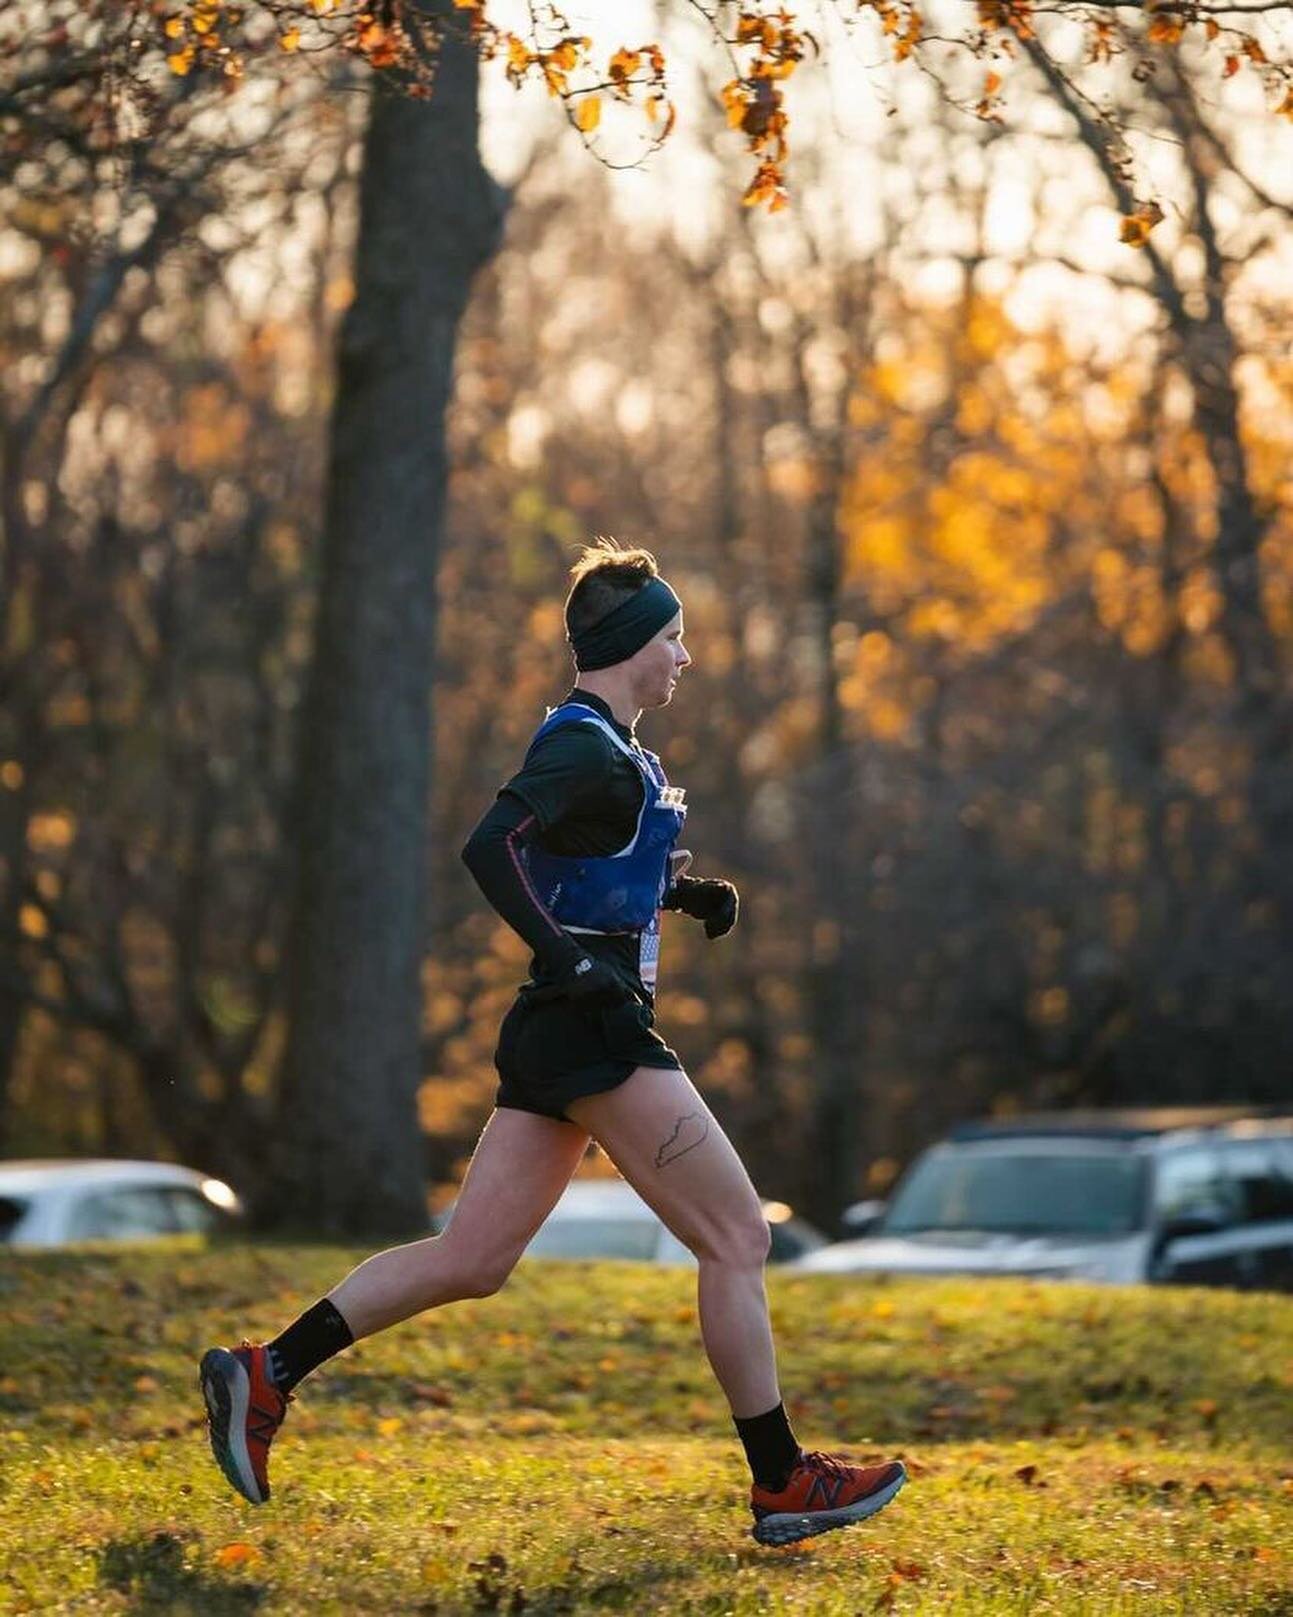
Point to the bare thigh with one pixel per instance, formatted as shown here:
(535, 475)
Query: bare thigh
(667, 1143)
(521, 1165)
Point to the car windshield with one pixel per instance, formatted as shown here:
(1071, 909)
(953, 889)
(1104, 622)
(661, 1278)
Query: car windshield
(1014, 1192)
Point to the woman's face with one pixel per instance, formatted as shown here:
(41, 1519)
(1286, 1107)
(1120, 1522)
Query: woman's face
(656, 667)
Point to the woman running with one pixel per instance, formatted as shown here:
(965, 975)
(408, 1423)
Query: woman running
(578, 853)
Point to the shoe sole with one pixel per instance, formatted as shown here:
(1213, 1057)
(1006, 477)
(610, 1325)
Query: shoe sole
(789, 1527)
(226, 1391)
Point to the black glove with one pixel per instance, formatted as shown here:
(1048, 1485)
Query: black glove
(712, 901)
(578, 976)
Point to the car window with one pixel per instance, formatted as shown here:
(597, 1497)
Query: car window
(1262, 1179)
(193, 1213)
(11, 1212)
(1191, 1184)
(127, 1213)
(1011, 1192)
(596, 1238)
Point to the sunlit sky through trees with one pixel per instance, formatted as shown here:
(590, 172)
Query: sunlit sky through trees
(868, 158)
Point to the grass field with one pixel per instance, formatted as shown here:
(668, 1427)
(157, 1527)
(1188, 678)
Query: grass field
(562, 1447)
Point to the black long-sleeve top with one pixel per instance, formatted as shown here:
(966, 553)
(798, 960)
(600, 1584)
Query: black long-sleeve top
(576, 793)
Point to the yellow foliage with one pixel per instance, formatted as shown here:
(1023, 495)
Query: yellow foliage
(52, 832)
(32, 922)
(959, 544)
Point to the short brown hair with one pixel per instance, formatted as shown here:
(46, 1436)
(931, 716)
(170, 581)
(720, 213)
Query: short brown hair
(604, 575)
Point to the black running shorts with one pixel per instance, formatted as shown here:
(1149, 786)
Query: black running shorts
(558, 1050)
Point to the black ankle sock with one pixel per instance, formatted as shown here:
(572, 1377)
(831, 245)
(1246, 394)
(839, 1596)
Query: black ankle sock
(306, 1343)
(770, 1447)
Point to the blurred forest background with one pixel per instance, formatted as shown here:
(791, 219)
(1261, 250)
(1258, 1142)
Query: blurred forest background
(987, 559)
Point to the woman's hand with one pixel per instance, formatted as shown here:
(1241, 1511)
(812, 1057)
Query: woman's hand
(706, 899)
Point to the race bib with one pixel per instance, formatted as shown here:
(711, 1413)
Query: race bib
(649, 952)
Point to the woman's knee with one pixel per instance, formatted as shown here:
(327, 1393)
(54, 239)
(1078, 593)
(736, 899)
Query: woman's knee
(743, 1242)
(476, 1273)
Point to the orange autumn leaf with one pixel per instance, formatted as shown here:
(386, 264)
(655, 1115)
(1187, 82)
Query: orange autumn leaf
(378, 44)
(734, 97)
(588, 114)
(766, 187)
(755, 30)
(911, 38)
(623, 65)
(237, 1554)
(1137, 226)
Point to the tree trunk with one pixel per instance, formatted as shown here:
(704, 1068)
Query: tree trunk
(831, 984)
(348, 1157)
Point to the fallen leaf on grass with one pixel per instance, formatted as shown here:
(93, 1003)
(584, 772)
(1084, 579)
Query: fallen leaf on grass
(237, 1554)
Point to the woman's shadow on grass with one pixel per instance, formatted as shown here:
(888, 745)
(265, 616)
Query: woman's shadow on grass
(151, 1570)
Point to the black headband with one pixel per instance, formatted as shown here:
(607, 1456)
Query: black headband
(627, 628)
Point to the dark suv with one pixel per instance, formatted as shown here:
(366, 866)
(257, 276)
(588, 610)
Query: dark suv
(1195, 1197)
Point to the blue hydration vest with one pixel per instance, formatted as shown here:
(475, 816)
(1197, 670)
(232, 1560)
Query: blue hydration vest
(619, 892)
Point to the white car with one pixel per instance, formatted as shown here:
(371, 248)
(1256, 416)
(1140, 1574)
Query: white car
(55, 1203)
(606, 1218)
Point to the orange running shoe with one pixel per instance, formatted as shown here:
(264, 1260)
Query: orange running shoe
(821, 1493)
(244, 1410)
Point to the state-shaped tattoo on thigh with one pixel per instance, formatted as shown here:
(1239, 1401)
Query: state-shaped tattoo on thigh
(691, 1130)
